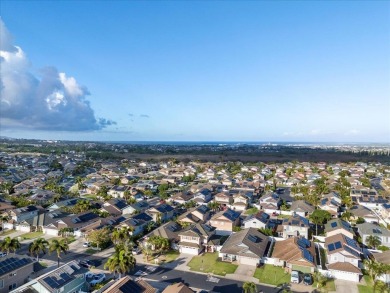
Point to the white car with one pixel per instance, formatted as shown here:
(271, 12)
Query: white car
(86, 244)
(295, 277)
(2, 254)
(97, 279)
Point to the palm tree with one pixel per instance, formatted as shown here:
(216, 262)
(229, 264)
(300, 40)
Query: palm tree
(320, 279)
(375, 270)
(373, 241)
(59, 247)
(120, 235)
(39, 245)
(249, 287)
(346, 216)
(83, 205)
(9, 244)
(213, 205)
(4, 219)
(122, 261)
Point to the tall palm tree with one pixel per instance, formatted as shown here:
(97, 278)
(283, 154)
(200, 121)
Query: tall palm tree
(373, 241)
(37, 246)
(375, 270)
(9, 244)
(213, 205)
(59, 247)
(347, 215)
(249, 287)
(4, 219)
(120, 235)
(122, 261)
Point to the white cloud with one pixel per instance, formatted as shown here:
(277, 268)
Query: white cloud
(52, 101)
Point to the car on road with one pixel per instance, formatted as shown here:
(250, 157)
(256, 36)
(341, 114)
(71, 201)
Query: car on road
(295, 277)
(307, 279)
(85, 263)
(3, 254)
(86, 244)
(97, 279)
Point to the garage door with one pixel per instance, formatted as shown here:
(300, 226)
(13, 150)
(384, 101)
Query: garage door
(301, 269)
(189, 250)
(345, 276)
(248, 261)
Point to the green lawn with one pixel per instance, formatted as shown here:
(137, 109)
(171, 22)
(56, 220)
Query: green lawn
(209, 263)
(31, 235)
(170, 255)
(70, 239)
(7, 232)
(366, 288)
(273, 275)
(251, 211)
(91, 251)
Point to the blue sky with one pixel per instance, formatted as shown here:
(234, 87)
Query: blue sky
(218, 71)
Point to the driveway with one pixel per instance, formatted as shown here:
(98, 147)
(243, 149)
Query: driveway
(346, 286)
(245, 270)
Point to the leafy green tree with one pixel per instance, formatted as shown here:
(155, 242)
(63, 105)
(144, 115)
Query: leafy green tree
(158, 243)
(9, 244)
(320, 279)
(120, 235)
(38, 246)
(83, 205)
(100, 237)
(373, 241)
(249, 287)
(319, 217)
(122, 261)
(6, 187)
(59, 246)
(347, 215)
(375, 270)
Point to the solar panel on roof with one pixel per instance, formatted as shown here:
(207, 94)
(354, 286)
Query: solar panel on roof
(337, 245)
(333, 224)
(331, 247)
(351, 242)
(307, 255)
(351, 251)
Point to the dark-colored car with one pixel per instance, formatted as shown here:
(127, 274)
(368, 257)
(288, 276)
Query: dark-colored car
(307, 279)
(85, 263)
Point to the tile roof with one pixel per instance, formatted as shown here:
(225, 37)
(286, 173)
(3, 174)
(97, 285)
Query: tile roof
(248, 242)
(295, 250)
(126, 284)
(344, 267)
(177, 288)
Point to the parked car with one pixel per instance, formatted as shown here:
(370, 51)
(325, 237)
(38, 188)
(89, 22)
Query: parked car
(295, 277)
(85, 263)
(2, 254)
(97, 279)
(86, 244)
(307, 279)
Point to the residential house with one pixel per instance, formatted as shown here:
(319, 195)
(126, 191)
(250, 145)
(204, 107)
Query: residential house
(302, 208)
(169, 231)
(295, 225)
(366, 214)
(14, 272)
(247, 246)
(203, 196)
(258, 220)
(295, 254)
(182, 197)
(63, 203)
(240, 202)
(68, 278)
(178, 288)
(195, 239)
(161, 213)
(338, 226)
(341, 250)
(117, 207)
(225, 221)
(198, 215)
(270, 203)
(118, 191)
(25, 213)
(139, 207)
(224, 199)
(370, 229)
(331, 204)
(126, 284)
(137, 223)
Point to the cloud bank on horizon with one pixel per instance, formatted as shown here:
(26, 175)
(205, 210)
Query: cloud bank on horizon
(53, 101)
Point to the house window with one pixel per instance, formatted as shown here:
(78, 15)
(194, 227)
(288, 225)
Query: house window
(12, 274)
(11, 287)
